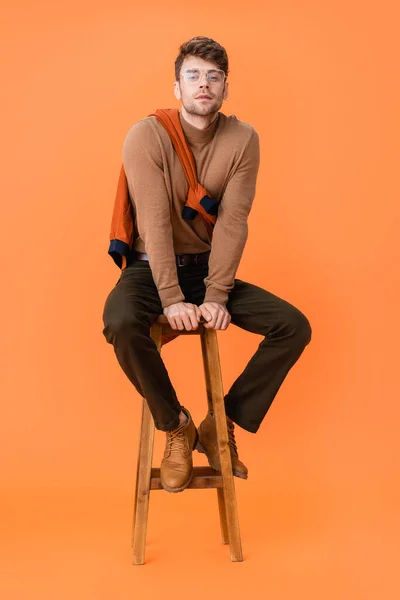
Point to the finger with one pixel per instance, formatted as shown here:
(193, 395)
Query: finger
(198, 314)
(220, 319)
(179, 323)
(192, 314)
(226, 321)
(186, 321)
(214, 316)
(193, 319)
(207, 316)
(172, 322)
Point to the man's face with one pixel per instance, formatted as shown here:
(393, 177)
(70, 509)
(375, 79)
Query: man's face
(190, 93)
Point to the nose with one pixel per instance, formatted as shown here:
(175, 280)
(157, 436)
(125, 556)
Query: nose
(204, 75)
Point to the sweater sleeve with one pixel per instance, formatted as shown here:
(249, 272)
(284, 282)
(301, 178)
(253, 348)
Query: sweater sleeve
(231, 230)
(143, 165)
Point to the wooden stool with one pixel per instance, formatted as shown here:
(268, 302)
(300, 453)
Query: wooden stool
(148, 478)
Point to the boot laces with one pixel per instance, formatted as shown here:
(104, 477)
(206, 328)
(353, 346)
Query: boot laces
(176, 441)
(231, 437)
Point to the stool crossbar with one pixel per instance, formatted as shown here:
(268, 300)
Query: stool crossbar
(148, 477)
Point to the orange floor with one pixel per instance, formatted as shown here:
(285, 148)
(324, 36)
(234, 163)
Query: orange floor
(302, 538)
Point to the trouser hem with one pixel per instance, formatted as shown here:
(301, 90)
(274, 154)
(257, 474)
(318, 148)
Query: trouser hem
(250, 427)
(168, 426)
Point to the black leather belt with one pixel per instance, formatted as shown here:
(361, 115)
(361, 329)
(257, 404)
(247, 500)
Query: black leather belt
(182, 260)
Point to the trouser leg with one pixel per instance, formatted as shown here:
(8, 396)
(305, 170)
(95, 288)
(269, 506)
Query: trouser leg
(130, 309)
(286, 333)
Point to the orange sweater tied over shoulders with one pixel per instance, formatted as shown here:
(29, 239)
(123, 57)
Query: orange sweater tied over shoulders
(198, 201)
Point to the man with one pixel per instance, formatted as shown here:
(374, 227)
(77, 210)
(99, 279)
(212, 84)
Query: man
(182, 271)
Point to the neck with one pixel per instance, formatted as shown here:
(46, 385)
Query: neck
(199, 121)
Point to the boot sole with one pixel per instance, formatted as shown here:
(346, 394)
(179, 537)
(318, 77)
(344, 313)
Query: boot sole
(200, 448)
(176, 490)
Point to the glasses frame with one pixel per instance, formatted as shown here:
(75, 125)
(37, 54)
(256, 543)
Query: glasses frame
(202, 71)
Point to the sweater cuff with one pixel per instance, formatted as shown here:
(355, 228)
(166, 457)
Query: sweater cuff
(214, 295)
(171, 295)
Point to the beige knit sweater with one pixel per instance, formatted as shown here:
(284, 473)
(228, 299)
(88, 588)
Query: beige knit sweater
(227, 159)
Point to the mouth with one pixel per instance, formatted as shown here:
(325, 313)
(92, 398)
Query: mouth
(203, 97)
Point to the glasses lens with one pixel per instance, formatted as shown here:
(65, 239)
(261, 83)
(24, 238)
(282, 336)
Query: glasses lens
(192, 75)
(215, 76)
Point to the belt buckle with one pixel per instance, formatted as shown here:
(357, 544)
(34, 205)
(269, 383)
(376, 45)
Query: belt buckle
(180, 258)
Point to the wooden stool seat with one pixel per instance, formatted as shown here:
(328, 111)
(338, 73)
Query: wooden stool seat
(162, 320)
(148, 477)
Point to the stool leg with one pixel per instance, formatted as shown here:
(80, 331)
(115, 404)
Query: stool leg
(226, 499)
(142, 492)
(222, 516)
(220, 491)
(143, 473)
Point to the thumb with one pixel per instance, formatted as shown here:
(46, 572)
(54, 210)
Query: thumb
(206, 314)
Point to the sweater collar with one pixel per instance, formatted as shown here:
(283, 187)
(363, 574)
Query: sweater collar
(196, 135)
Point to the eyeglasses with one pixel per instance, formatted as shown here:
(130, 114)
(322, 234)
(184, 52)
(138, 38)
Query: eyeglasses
(194, 75)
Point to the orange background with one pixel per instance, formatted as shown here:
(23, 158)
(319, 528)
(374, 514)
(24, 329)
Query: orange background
(319, 514)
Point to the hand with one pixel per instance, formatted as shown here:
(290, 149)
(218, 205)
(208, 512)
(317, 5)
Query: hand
(183, 315)
(216, 315)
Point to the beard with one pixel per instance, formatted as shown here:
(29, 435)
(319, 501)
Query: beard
(194, 107)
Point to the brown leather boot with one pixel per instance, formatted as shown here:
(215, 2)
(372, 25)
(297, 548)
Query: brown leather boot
(177, 466)
(209, 446)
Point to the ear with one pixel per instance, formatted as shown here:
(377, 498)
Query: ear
(226, 90)
(177, 90)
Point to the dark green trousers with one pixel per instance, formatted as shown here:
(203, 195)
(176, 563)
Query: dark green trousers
(134, 304)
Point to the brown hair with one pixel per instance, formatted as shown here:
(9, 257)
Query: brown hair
(205, 48)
